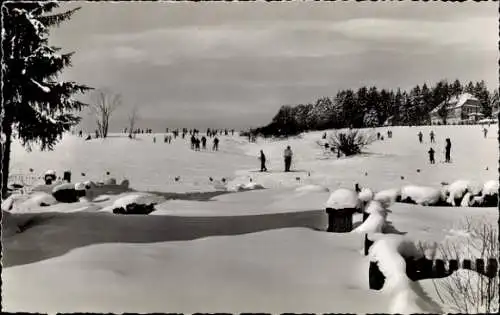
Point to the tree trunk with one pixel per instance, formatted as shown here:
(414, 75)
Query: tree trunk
(5, 157)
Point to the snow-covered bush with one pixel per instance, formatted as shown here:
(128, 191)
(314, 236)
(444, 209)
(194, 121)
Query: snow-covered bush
(490, 188)
(365, 195)
(421, 195)
(388, 197)
(457, 190)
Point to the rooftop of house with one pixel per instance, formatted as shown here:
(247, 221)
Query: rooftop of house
(458, 101)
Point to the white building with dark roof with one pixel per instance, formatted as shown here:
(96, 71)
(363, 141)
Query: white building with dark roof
(462, 108)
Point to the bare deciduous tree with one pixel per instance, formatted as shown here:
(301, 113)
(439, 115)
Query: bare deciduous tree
(104, 103)
(470, 292)
(132, 119)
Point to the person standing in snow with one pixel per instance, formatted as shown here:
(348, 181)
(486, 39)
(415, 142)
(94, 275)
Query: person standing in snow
(262, 158)
(447, 156)
(485, 131)
(287, 154)
(420, 136)
(204, 142)
(216, 144)
(431, 135)
(431, 156)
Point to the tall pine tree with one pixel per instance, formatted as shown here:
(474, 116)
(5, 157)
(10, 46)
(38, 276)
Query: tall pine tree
(37, 109)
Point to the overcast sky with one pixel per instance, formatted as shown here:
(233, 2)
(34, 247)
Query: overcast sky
(234, 64)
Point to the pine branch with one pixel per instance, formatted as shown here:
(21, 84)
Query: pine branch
(57, 19)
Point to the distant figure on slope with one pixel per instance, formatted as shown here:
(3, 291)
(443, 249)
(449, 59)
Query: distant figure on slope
(204, 142)
(420, 136)
(485, 131)
(262, 158)
(389, 134)
(197, 144)
(447, 155)
(324, 136)
(378, 135)
(80, 133)
(154, 139)
(287, 154)
(431, 135)
(216, 144)
(232, 132)
(192, 142)
(431, 156)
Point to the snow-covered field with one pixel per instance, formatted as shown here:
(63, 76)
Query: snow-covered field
(253, 251)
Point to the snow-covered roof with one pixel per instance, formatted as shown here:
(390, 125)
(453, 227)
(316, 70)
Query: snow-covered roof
(458, 101)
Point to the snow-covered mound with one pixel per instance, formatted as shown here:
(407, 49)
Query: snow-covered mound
(139, 198)
(311, 188)
(421, 195)
(456, 191)
(365, 195)
(388, 196)
(389, 252)
(26, 203)
(491, 188)
(63, 186)
(376, 219)
(343, 198)
(245, 187)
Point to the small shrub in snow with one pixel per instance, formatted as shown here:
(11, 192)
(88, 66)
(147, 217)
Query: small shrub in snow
(350, 142)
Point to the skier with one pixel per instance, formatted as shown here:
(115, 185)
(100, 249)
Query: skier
(485, 131)
(263, 167)
(431, 156)
(378, 135)
(216, 144)
(448, 151)
(420, 135)
(287, 154)
(431, 135)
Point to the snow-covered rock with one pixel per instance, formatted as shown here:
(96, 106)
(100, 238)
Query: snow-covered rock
(343, 199)
(244, 187)
(32, 201)
(375, 206)
(421, 195)
(253, 186)
(138, 198)
(491, 188)
(388, 196)
(65, 186)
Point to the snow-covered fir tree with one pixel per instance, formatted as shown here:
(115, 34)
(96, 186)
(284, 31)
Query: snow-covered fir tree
(37, 108)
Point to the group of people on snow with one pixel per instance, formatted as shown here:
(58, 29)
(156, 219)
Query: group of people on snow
(287, 156)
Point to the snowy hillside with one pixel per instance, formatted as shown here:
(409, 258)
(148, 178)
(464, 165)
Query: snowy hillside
(261, 250)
